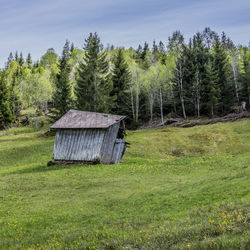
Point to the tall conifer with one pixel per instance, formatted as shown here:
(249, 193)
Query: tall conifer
(94, 80)
(10, 59)
(121, 79)
(223, 74)
(211, 92)
(29, 61)
(63, 93)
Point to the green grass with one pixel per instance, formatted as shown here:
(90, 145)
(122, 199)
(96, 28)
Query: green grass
(176, 188)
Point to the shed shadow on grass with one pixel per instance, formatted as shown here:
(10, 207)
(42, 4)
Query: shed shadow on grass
(45, 168)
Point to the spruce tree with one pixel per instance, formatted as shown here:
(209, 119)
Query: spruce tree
(145, 51)
(175, 42)
(163, 55)
(211, 92)
(190, 76)
(161, 47)
(72, 47)
(15, 103)
(10, 59)
(29, 61)
(63, 94)
(209, 37)
(200, 56)
(16, 56)
(5, 112)
(20, 59)
(94, 80)
(245, 90)
(121, 78)
(139, 52)
(155, 51)
(223, 74)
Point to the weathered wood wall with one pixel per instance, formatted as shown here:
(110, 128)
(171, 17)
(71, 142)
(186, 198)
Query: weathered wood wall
(78, 144)
(119, 150)
(108, 143)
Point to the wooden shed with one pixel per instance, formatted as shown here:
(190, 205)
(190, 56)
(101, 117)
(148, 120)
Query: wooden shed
(89, 137)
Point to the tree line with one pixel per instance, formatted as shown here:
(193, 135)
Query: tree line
(206, 76)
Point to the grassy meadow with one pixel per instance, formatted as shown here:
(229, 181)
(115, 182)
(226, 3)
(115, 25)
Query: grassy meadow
(177, 188)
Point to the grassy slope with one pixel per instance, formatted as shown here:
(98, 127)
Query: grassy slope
(176, 188)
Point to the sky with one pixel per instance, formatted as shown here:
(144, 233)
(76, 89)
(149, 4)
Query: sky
(36, 25)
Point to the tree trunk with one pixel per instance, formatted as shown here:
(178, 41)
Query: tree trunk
(151, 105)
(137, 104)
(161, 106)
(197, 94)
(95, 94)
(198, 98)
(132, 103)
(137, 92)
(198, 107)
(235, 80)
(181, 93)
(212, 110)
(172, 94)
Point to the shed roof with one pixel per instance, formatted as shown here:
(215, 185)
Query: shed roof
(83, 119)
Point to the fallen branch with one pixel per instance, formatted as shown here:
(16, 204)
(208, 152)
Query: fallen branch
(227, 118)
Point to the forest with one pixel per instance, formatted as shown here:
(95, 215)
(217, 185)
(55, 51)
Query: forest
(207, 75)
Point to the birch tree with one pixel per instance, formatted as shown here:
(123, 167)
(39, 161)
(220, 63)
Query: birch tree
(178, 80)
(135, 89)
(237, 69)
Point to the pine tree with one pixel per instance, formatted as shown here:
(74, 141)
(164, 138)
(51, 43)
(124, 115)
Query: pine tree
(63, 94)
(5, 112)
(94, 80)
(121, 79)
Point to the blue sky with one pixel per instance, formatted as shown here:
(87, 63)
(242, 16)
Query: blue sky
(36, 25)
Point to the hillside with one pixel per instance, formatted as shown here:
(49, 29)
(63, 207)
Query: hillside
(176, 188)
